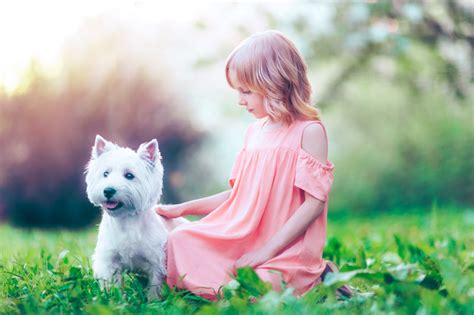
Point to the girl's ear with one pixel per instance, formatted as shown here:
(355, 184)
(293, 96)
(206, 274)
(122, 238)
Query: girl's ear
(149, 151)
(101, 146)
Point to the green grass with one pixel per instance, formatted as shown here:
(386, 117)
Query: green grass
(402, 262)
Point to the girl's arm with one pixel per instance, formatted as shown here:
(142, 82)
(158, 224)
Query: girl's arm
(202, 206)
(309, 211)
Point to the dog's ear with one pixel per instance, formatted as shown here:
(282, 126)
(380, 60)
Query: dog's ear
(101, 146)
(149, 151)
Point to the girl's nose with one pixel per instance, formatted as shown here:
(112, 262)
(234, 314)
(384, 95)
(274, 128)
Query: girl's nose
(242, 101)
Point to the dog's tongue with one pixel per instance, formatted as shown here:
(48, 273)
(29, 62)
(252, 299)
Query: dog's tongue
(111, 204)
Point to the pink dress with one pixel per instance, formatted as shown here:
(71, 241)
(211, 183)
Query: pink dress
(268, 181)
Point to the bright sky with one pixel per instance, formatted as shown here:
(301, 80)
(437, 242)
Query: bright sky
(37, 29)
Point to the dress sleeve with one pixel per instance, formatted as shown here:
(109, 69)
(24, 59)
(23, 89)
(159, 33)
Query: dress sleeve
(313, 176)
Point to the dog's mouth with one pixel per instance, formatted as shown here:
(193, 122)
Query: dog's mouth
(113, 205)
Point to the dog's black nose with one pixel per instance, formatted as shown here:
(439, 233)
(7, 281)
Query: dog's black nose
(109, 192)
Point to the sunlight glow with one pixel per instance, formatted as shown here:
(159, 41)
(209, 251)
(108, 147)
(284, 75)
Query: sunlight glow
(37, 30)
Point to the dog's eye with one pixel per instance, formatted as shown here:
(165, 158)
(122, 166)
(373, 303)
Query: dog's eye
(106, 174)
(129, 176)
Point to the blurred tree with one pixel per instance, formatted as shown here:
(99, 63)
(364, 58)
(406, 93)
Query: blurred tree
(47, 130)
(415, 151)
(364, 31)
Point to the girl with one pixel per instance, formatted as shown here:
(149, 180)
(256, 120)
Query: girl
(274, 216)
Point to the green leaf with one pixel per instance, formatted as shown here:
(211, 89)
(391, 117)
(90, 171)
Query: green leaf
(401, 247)
(392, 258)
(361, 258)
(63, 254)
(75, 273)
(336, 277)
(402, 272)
(453, 278)
(250, 281)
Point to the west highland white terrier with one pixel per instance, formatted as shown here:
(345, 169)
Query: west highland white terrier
(127, 185)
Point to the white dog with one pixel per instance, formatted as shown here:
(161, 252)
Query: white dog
(127, 185)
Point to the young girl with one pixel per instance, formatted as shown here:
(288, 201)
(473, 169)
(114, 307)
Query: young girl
(274, 216)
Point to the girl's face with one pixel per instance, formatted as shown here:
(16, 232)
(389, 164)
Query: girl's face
(251, 100)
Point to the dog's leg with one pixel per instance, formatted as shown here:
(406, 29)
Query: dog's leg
(118, 278)
(155, 282)
(104, 271)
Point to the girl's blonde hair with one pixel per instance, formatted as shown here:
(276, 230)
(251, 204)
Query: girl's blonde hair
(269, 63)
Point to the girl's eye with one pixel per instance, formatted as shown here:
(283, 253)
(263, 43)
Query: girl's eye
(129, 176)
(244, 91)
(106, 174)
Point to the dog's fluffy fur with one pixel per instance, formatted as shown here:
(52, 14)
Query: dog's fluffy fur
(127, 185)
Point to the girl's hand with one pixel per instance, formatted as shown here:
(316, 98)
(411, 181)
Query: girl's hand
(169, 211)
(253, 259)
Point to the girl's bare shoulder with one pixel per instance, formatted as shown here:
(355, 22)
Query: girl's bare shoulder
(314, 141)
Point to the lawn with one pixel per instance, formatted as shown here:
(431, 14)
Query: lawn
(403, 262)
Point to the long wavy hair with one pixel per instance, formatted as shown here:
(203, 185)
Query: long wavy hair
(270, 64)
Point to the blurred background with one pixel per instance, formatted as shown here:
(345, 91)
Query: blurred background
(393, 80)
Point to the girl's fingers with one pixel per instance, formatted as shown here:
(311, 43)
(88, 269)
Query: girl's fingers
(163, 210)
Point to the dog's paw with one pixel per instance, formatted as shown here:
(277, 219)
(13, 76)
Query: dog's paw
(154, 293)
(105, 279)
